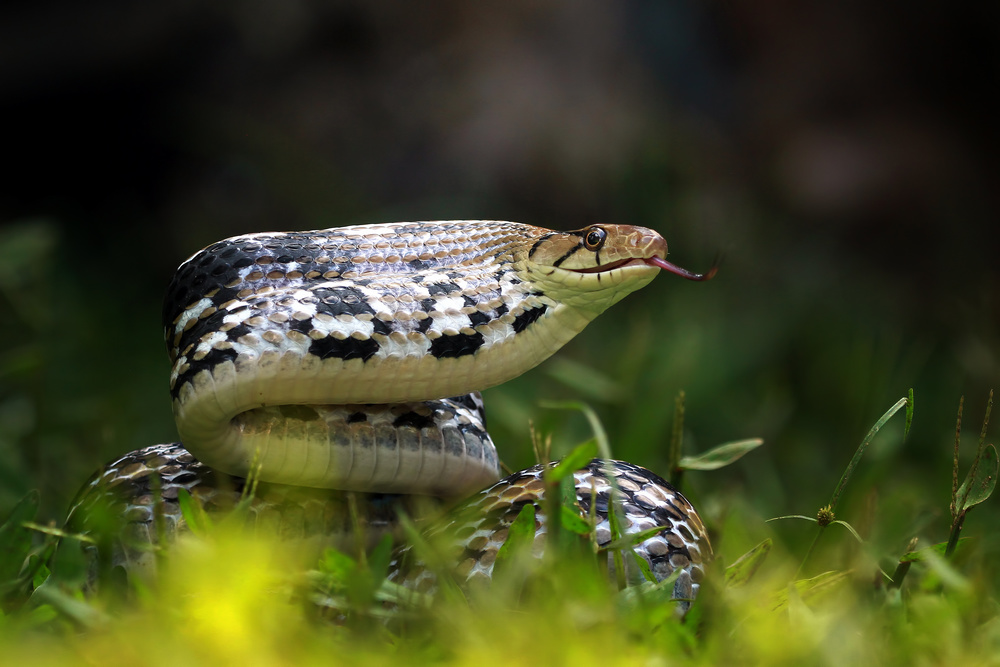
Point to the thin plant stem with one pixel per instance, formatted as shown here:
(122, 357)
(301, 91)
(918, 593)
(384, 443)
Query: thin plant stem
(829, 509)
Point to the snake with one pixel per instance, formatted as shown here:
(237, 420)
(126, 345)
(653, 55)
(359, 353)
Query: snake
(349, 360)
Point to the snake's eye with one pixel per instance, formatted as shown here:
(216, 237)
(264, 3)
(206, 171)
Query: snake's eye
(594, 238)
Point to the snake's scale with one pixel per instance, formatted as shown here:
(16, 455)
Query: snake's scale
(323, 360)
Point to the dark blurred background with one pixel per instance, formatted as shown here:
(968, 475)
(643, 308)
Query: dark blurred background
(844, 156)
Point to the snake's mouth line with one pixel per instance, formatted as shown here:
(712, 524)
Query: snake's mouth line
(658, 262)
(609, 267)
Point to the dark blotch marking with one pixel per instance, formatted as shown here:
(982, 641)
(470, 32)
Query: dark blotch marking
(442, 288)
(413, 419)
(237, 331)
(456, 346)
(302, 326)
(467, 401)
(641, 475)
(211, 269)
(478, 318)
(225, 295)
(200, 328)
(356, 417)
(644, 503)
(471, 434)
(300, 412)
(631, 509)
(426, 305)
(662, 517)
(209, 362)
(602, 502)
(528, 317)
(184, 477)
(348, 348)
(381, 327)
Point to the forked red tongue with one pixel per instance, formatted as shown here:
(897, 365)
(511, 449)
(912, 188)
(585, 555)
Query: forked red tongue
(683, 273)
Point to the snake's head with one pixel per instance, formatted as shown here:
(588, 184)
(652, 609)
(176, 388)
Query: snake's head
(597, 266)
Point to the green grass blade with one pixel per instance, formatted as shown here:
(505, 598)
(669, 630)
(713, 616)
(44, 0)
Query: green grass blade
(954, 462)
(793, 516)
(677, 441)
(600, 435)
(195, 516)
(615, 524)
(644, 568)
(58, 532)
(810, 589)
(986, 419)
(432, 558)
(901, 403)
(850, 529)
(15, 543)
(939, 549)
(574, 523)
(520, 537)
(742, 571)
(631, 539)
(581, 455)
(77, 610)
(585, 379)
(720, 456)
(981, 480)
(909, 414)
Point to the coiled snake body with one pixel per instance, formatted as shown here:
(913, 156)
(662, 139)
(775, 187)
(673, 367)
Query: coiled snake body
(325, 359)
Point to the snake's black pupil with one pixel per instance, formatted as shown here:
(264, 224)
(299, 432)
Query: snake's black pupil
(594, 238)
